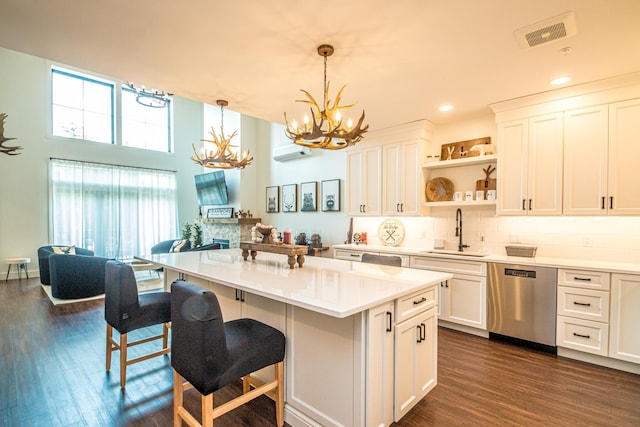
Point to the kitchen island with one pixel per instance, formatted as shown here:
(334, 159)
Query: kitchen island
(361, 338)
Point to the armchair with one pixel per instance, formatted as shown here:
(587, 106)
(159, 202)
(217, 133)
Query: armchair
(43, 261)
(165, 246)
(76, 276)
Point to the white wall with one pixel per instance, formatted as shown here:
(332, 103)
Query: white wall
(24, 224)
(321, 165)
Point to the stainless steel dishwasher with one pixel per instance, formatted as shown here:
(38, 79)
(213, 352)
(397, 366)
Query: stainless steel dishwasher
(522, 305)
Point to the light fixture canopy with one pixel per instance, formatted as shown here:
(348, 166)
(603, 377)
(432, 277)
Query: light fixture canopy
(327, 130)
(223, 157)
(150, 97)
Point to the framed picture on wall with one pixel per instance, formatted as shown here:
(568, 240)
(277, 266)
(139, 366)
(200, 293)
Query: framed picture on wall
(273, 199)
(309, 197)
(289, 198)
(330, 197)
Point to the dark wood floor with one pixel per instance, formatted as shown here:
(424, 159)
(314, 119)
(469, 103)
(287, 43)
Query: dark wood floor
(52, 373)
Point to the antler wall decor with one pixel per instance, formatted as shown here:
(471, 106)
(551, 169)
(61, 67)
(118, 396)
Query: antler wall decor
(11, 151)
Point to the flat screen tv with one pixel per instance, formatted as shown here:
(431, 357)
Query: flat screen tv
(212, 189)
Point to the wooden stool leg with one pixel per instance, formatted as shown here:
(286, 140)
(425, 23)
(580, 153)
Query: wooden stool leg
(165, 335)
(109, 346)
(280, 394)
(207, 410)
(178, 396)
(123, 360)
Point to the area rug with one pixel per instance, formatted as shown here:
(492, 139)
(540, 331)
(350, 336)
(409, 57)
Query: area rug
(147, 281)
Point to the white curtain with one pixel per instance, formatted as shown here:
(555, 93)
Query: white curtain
(115, 211)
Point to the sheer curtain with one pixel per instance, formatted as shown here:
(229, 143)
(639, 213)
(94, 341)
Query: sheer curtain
(116, 211)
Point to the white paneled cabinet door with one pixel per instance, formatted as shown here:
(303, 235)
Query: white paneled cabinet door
(624, 322)
(512, 167)
(380, 366)
(624, 150)
(530, 166)
(466, 301)
(585, 161)
(544, 180)
(416, 362)
(401, 178)
(364, 186)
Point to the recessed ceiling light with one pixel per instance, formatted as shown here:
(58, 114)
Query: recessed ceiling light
(446, 107)
(560, 80)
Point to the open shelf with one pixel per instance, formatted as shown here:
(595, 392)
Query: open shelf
(461, 162)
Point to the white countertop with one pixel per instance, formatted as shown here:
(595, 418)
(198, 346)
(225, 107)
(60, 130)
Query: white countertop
(333, 287)
(597, 265)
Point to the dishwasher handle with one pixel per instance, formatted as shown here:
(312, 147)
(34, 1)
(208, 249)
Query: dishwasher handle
(528, 274)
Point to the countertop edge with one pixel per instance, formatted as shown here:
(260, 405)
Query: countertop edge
(572, 263)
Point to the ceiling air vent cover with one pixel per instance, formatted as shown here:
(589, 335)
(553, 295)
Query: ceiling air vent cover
(556, 28)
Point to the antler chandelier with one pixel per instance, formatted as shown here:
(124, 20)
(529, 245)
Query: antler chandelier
(150, 97)
(223, 157)
(327, 130)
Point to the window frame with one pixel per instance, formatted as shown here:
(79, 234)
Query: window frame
(117, 87)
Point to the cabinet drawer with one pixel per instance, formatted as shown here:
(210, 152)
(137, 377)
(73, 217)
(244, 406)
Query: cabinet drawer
(449, 265)
(348, 255)
(413, 304)
(583, 335)
(584, 279)
(583, 303)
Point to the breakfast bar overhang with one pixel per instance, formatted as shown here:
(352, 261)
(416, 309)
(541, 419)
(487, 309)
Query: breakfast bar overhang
(361, 338)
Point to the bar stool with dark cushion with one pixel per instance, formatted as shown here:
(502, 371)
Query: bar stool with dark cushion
(209, 354)
(126, 311)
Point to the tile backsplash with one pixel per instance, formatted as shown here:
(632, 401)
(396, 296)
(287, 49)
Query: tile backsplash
(599, 238)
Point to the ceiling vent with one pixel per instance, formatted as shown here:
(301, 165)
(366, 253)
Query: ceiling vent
(557, 28)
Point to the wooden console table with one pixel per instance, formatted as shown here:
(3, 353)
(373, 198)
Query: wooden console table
(294, 253)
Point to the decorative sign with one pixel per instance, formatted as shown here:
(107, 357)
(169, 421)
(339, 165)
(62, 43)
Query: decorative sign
(220, 213)
(391, 232)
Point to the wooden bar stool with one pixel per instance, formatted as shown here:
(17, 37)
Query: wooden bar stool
(21, 265)
(210, 354)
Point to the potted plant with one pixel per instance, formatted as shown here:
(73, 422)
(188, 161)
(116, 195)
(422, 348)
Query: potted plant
(186, 231)
(197, 235)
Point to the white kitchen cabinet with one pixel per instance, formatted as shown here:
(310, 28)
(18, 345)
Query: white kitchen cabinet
(462, 300)
(624, 325)
(364, 183)
(402, 179)
(416, 364)
(585, 161)
(601, 148)
(530, 166)
(380, 365)
(583, 311)
(623, 172)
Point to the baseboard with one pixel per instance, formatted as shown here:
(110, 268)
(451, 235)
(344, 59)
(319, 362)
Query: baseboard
(595, 359)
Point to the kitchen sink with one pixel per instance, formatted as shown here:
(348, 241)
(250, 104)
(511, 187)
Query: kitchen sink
(457, 253)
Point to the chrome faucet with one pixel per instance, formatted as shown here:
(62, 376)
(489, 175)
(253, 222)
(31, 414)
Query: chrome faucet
(459, 230)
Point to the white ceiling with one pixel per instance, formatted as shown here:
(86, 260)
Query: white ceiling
(399, 59)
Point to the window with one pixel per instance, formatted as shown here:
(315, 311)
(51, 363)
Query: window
(82, 107)
(142, 126)
(115, 211)
(90, 109)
